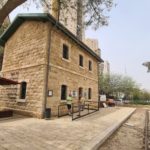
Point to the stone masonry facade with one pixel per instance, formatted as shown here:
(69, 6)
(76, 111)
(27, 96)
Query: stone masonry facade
(26, 59)
(68, 72)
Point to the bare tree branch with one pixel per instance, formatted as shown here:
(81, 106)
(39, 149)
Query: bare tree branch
(8, 7)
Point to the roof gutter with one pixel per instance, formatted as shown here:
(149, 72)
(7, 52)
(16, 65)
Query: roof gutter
(68, 33)
(43, 17)
(47, 67)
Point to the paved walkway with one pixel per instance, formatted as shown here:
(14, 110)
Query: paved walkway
(61, 134)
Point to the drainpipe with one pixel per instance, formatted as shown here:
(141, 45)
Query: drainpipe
(80, 19)
(47, 70)
(48, 66)
(55, 13)
(98, 67)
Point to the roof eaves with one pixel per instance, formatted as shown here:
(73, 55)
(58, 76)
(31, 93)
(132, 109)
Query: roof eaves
(42, 17)
(2, 42)
(10, 30)
(20, 18)
(71, 35)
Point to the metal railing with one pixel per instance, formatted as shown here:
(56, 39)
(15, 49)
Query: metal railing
(59, 110)
(81, 110)
(147, 130)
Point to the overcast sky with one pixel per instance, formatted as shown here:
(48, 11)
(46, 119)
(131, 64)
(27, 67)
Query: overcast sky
(125, 43)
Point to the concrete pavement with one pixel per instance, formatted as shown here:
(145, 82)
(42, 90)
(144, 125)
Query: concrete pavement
(87, 133)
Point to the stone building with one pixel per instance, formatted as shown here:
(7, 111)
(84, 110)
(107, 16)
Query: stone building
(105, 68)
(67, 16)
(94, 45)
(49, 62)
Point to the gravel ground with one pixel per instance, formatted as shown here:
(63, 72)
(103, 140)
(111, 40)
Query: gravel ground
(130, 135)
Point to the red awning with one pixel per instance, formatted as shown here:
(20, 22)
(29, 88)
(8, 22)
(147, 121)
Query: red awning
(4, 81)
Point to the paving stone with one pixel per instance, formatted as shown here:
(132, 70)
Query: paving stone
(63, 133)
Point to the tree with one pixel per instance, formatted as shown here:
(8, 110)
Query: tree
(117, 85)
(123, 86)
(79, 18)
(141, 96)
(2, 29)
(146, 95)
(147, 64)
(94, 10)
(6, 6)
(136, 94)
(104, 84)
(127, 86)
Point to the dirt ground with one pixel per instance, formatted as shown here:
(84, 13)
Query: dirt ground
(130, 135)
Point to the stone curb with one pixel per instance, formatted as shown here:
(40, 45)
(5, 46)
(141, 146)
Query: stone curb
(99, 140)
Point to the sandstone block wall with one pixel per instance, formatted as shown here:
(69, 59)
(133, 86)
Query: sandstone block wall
(25, 60)
(68, 72)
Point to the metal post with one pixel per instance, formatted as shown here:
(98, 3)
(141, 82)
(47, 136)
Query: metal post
(79, 108)
(58, 111)
(146, 129)
(72, 111)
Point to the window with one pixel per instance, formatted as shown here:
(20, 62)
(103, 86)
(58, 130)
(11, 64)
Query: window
(89, 93)
(80, 93)
(63, 92)
(23, 90)
(90, 65)
(81, 60)
(65, 51)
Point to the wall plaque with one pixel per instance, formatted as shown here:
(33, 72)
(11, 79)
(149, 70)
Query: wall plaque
(50, 93)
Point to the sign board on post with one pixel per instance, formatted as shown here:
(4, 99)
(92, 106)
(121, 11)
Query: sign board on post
(50, 93)
(102, 98)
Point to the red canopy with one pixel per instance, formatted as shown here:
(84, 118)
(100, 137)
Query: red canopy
(4, 81)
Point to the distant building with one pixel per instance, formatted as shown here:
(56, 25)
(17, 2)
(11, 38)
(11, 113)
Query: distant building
(68, 17)
(105, 68)
(93, 44)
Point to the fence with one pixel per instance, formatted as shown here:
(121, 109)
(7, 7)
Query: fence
(60, 113)
(81, 110)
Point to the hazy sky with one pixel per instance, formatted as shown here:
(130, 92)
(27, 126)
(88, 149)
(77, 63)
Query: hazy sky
(125, 43)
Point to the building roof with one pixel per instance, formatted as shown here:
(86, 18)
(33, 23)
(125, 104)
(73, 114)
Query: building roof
(4, 81)
(43, 17)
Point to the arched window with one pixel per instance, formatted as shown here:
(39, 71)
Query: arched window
(63, 92)
(65, 51)
(23, 90)
(81, 60)
(89, 93)
(80, 93)
(90, 65)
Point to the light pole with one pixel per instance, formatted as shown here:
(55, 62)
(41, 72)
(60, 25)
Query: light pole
(147, 64)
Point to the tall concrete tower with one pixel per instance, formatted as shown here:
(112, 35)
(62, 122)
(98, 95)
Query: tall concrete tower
(105, 68)
(68, 15)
